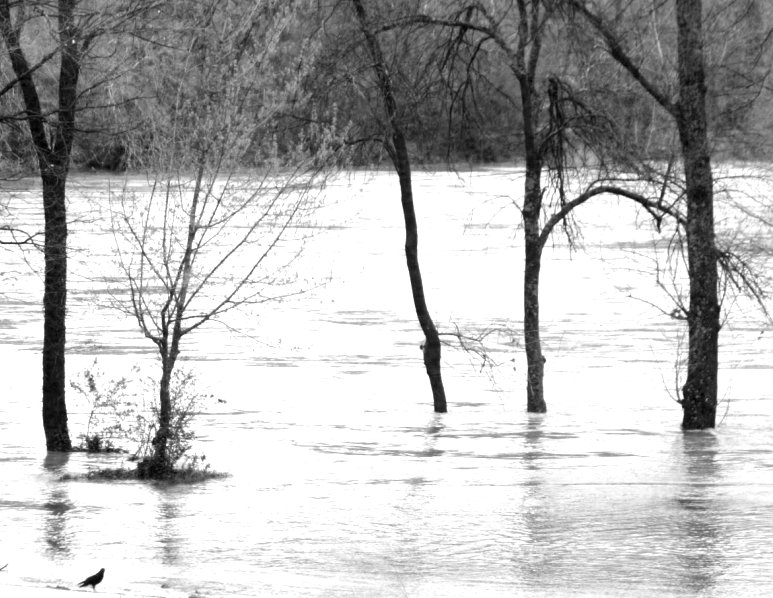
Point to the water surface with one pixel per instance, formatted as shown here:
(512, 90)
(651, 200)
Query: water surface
(342, 481)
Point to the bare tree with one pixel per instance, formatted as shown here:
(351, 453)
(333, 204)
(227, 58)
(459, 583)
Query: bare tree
(568, 145)
(205, 239)
(395, 143)
(687, 106)
(75, 28)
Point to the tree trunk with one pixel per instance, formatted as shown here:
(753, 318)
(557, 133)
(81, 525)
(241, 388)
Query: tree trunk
(699, 394)
(158, 465)
(399, 154)
(535, 362)
(54, 310)
(431, 348)
(532, 208)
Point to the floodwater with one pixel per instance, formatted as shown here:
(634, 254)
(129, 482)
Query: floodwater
(342, 480)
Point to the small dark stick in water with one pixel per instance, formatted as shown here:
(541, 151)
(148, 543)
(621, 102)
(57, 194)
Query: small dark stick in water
(93, 580)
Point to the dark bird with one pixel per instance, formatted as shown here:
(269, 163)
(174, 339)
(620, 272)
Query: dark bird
(93, 580)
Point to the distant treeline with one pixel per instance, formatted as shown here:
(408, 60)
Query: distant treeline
(459, 101)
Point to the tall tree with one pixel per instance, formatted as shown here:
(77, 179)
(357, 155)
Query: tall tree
(75, 28)
(52, 140)
(397, 148)
(688, 109)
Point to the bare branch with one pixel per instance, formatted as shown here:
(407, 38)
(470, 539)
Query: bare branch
(619, 53)
(653, 207)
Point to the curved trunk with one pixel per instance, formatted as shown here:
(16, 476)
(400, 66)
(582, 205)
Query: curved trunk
(699, 394)
(532, 205)
(160, 442)
(158, 465)
(431, 348)
(535, 362)
(399, 154)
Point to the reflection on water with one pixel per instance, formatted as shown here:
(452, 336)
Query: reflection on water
(533, 554)
(57, 505)
(532, 446)
(699, 518)
(342, 481)
(168, 537)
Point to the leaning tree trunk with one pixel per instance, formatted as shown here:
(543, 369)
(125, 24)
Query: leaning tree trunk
(431, 348)
(699, 394)
(399, 153)
(54, 310)
(161, 441)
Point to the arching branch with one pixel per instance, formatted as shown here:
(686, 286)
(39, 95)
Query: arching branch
(656, 208)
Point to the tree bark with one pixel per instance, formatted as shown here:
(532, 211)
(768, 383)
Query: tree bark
(526, 67)
(158, 465)
(535, 362)
(398, 151)
(53, 161)
(699, 394)
(55, 311)
(532, 206)
(431, 348)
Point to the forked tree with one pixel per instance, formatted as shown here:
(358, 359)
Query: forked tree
(687, 105)
(63, 37)
(205, 239)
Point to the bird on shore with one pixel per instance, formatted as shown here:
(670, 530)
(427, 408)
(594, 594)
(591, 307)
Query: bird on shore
(93, 580)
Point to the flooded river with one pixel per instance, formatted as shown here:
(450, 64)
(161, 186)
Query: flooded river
(342, 480)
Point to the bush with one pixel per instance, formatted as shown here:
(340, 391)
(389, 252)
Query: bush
(186, 404)
(114, 416)
(110, 410)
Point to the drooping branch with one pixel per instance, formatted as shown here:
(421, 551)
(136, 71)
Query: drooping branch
(653, 207)
(398, 149)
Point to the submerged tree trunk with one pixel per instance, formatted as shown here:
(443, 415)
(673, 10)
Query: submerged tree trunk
(535, 362)
(431, 348)
(527, 63)
(699, 394)
(158, 464)
(55, 310)
(398, 151)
